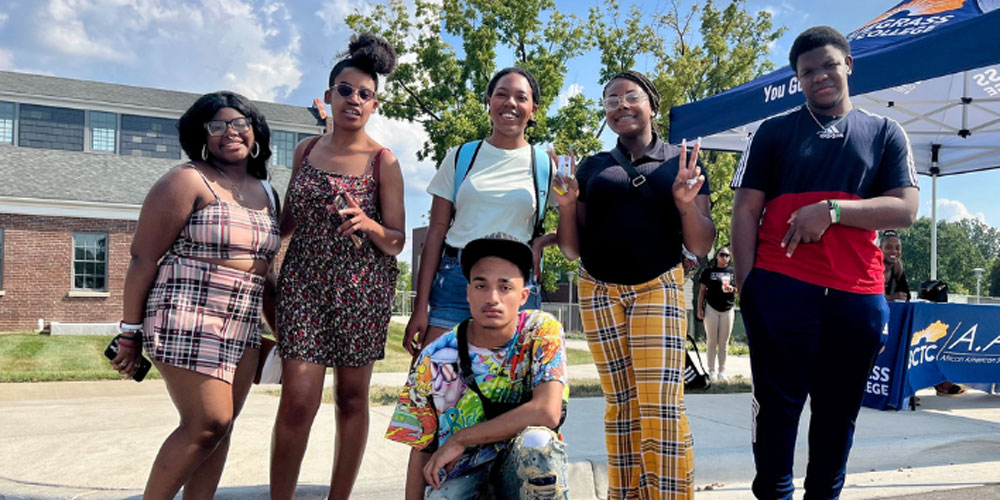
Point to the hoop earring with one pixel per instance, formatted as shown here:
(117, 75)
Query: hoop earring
(204, 152)
(255, 150)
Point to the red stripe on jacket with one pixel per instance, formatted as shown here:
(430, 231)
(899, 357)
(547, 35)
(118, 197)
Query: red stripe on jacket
(845, 258)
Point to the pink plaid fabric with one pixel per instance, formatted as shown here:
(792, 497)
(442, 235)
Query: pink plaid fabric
(224, 230)
(202, 316)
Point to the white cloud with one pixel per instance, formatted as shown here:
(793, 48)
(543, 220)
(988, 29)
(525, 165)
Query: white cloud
(333, 13)
(404, 140)
(770, 9)
(197, 46)
(6, 59)
(572, 91)
(3, 18)
(954, 211)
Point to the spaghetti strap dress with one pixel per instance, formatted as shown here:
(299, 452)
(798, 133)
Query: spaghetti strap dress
(334, 298)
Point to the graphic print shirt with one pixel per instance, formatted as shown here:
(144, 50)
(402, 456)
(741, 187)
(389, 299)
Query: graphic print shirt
(436, 403)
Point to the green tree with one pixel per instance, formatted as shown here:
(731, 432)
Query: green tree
(958, 255)
(994, 279)
(443, 91)
(732, 50)
(403, 280)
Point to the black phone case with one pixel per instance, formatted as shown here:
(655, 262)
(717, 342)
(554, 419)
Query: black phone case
(144, 365)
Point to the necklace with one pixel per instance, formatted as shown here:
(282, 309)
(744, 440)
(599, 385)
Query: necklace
(237, 191)
(829, 131)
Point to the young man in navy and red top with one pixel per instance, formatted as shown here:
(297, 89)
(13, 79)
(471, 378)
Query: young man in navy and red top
(811, 190)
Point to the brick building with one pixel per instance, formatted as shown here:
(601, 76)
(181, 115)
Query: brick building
(77, 158)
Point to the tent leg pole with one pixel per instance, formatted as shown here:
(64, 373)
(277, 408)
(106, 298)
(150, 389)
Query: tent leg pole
(934, 178)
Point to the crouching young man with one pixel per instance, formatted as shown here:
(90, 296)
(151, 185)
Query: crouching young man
(482, 401)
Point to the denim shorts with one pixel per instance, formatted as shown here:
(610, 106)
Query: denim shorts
(449, 302)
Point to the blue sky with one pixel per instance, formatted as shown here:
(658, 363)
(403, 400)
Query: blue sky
(282, 50)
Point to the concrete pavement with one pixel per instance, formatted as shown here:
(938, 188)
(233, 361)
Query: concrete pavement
(96, 440)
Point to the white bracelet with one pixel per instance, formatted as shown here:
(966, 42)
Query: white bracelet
(124, 327)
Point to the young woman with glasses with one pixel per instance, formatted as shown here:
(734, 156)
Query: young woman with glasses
(205, 240)
(497, 193)
(716, 298)
(338, 278)
(626, 215)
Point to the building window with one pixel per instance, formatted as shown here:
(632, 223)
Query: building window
(6, 123)
(283, 147)
(50, 127)
(148, 137)
(103, 131)
(90, 262)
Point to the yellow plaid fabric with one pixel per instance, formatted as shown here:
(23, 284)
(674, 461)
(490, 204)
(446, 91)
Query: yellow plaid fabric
(636, 334)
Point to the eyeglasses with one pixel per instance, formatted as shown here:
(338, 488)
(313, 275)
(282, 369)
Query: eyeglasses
(347, 90)
(632, 98)
(216, 128)
(724, 255)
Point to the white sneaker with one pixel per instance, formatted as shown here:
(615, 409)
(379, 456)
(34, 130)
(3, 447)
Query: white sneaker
(722, 376)
(711, 375)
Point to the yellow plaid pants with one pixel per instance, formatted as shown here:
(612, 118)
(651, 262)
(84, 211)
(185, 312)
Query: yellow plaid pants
(636, 334)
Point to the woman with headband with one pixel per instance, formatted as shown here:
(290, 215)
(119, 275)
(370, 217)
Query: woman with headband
(626, 215)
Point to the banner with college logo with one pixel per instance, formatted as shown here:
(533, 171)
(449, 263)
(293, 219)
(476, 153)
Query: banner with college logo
(883, 390)
(954, 342)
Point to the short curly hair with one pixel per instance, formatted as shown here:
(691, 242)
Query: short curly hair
(193, 136)
(814, 38)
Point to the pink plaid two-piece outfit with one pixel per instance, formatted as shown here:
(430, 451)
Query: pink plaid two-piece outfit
(202, 316)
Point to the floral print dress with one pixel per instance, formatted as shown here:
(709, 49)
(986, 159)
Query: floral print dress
(334, 298)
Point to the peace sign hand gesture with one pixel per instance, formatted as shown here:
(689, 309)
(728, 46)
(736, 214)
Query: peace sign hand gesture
(689, 178)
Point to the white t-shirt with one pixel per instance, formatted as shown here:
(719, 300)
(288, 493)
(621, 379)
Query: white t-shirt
(498, 194)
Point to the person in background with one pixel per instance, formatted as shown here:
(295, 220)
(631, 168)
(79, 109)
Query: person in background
(716, 298)
(338, 279)
(627, 215)
(206, 237)
(811, 189)
(482, 402)
(897, 289)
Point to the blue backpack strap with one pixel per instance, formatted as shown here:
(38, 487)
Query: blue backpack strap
(541, 171)
(465, 156)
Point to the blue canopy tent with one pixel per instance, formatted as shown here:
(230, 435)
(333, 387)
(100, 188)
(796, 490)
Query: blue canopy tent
(931, 65)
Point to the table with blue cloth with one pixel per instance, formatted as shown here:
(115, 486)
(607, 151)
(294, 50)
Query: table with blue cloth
(928, 343)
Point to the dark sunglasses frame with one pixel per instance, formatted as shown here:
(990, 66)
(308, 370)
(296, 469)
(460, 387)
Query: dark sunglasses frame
(725, 255)
(346, 90)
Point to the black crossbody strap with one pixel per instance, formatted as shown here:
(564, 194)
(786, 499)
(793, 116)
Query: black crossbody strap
(465, 361)
(637, 179)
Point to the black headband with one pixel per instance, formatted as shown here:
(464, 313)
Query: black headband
(643, 82)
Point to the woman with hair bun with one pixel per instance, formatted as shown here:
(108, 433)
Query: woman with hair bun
(338, 279)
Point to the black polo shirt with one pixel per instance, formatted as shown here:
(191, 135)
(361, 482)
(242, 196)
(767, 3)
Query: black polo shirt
(628, 238)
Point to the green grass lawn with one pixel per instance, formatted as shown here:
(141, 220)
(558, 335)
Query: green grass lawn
(30, 357)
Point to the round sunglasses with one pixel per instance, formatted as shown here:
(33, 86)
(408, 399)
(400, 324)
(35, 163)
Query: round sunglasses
(346, 90)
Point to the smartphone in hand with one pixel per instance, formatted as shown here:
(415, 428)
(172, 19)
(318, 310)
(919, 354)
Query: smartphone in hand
(144, 365)
(341, 203)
